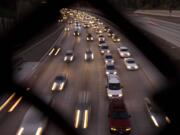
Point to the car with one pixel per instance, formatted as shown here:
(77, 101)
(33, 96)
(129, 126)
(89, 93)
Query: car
(76, 33)
(89, 37)
(88, 56)
(108, 59)
(102, 43)
(86, 25)
(130, 64)
(114, 87)
(119, 118)
(158, 118)
(110, 69)
(59, 82)
(110, 33)
(69, 56)
(123, 52)
(66, 29)
(101, 38)
(116, 38)
(104, 49)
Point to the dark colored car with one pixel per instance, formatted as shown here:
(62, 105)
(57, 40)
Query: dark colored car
(119, 122)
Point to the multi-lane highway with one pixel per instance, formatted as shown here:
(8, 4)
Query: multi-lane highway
(84, 100)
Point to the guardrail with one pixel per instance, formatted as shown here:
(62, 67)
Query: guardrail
(168, 13)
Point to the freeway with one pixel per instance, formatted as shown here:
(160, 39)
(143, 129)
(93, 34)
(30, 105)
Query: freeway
(85, 92)
(165, 29)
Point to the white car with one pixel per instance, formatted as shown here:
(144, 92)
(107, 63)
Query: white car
(101, 38)
(69, 56)
(130, 64)
(108, 58)
(114, 88)
(110, 69)
(124, 52)
(104, 49)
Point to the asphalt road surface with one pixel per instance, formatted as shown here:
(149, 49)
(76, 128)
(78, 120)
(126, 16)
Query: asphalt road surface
(85, 89)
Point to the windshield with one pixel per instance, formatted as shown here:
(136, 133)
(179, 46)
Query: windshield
(124, 49)
(114, 86)
(108, 57)
(110, 67)
(120, 115)
(131, 61)
(69, 53)
(104, 47)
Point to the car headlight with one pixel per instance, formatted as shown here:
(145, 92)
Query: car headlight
(85, 56)
(108, 51)
(54, 86)
(71, 58)
(106, 61)
(136, 67)
(109, 95)
(115, 73)
(65, 58)
(61, 86)
(129, 67)
(112, 61)
(120, 95)
(128, 129)
(102, 51)
(87, 38)
(107, 72)
(122, 54)
(113, 129)
(91, 38)
(92, 56)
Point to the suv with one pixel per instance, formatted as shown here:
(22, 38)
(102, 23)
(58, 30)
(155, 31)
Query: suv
(119, 122)
(114, 88)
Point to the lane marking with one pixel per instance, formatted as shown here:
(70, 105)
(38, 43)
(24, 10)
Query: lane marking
(15, 104)
(52, 50)
(85, 123)
(57, 51)
(77, 118)
(7, 102)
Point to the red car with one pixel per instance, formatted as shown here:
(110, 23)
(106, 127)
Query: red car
(119, 122)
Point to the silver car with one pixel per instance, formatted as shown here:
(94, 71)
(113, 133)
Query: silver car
(59, 82)
(108, 58)
(130, 64)
(88, 56)
(124, 52)
(69, 56)
(110, 69)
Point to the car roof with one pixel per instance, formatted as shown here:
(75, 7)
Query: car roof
(127, 59)
(113, 78)
(123, 47)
